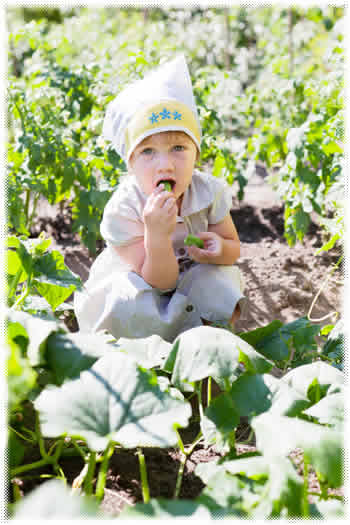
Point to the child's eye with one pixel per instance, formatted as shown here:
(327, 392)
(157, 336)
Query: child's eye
(147, 151)
(179, 147)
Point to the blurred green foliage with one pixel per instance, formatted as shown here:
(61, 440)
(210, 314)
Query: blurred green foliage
(262, 76)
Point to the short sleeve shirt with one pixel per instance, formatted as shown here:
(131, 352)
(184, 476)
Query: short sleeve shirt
(206, 201)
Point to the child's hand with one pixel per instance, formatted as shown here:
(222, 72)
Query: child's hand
(213, 248)
(160, 212)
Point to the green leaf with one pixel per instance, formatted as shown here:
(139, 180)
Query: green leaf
(114, 400)
(25, 257)
(166, 509)
(328, 378)
(225, 492)
(219, 164)
(148, 352)
(329, 410)
(207, 351)
(69, 354)
(14, 265)
(38, 330)
(301, 223)
(53, 280)
(280, 485)
(254, 337)
(330, 509)
(51, 267)
(53, 500)
(275, 346)
(219, 421)
(54, 294)
(331, 147)
(323, 446)
(255, 394)
(334, 347)
(21, 378)
(279, 340)
(168, 366)
(15, 449)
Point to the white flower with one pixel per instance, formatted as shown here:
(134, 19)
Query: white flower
(295, 136)
(291, 160)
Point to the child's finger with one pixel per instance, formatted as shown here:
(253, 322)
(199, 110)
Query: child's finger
(169, 203)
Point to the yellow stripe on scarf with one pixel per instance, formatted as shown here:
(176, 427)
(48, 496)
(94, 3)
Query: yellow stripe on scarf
(168, 114)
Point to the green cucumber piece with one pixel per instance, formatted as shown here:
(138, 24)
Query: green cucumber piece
(167, 186)
(192, 239)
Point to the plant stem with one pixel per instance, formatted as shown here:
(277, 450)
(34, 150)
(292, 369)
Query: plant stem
(14, 283)
(180, 476)
(35, 203)
(26, 206)
(319, 292)
(330, 496)
(30, 466)
(306, 510)
(78, 448)
(209, 391)
(143, 475)
(90, 473)
(199, 394)
(17, 496)
(21, 435)
(24, 294)
(102, 475)
(185, 455)
(58, 452)
(41, 443)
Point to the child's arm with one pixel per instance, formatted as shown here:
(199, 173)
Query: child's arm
(153, 257)
(221, 244)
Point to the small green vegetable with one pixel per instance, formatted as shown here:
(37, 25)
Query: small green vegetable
(192, 239)
(167, 186)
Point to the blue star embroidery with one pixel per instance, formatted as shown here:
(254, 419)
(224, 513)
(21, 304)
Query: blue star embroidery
(154, 117)
(165, 114)
(177, 116)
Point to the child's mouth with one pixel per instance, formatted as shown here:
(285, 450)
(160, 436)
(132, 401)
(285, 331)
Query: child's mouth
(168, 181)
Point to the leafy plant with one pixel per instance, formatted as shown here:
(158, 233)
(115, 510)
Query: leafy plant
(34, 270)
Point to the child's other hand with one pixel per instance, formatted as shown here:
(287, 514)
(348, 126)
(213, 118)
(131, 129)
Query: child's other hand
(160, 212)
(213, 248)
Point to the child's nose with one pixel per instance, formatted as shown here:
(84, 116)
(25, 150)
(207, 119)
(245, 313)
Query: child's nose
(164, 162)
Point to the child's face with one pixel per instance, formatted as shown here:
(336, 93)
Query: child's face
(169, 155)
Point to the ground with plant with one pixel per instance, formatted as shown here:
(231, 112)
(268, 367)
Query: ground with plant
(281, 280)
(281, 283)
(141, 420)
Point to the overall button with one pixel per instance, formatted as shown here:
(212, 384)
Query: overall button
(189, 308)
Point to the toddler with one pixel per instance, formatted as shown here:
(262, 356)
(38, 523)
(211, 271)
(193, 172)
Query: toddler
(147, 281)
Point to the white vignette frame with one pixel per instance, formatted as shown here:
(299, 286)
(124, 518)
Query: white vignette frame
(3, 131)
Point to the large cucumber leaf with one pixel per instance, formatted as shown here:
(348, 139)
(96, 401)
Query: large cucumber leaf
(53, 279)
(318, 376)
(148, 351)
(329, 410)
(275, 340)
(115, 400)
(207, 351)
(37, 330)
(69, 354)
(166, 509)
(254, 394)
(323, 446)
(53, 501)
(273, 484)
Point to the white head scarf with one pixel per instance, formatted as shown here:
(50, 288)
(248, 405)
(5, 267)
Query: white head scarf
(162, 101)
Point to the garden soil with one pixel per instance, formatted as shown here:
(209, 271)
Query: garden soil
(282, 282)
